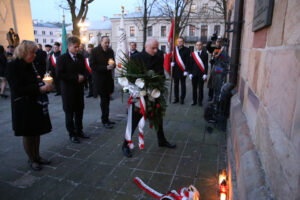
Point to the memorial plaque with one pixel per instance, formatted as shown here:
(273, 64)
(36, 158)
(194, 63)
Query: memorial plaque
(263, 13)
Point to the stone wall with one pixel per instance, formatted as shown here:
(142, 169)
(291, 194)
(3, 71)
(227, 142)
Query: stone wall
(15, 14)
(269, 97)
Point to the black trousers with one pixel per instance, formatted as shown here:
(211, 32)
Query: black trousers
(74, 122)
(211, 92)
(176, 88)
(90, 83)
(197, 83)
(104, 105)
(136, 116)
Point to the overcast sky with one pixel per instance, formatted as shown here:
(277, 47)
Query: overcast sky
(49, 10)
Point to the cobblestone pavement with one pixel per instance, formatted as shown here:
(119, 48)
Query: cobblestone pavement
(96, 168)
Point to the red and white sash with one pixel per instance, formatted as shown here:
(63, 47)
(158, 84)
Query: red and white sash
(199, 61)
(53, 60)
(140, 125)
(179, 60)
(87, 65)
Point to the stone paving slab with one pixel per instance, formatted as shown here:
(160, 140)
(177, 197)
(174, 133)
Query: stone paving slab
(96, 168)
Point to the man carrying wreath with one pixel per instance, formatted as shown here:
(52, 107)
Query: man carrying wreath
(153, 60)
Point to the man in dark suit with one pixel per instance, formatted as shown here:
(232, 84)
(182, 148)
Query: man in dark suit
(198, 71)
(40, 61)
(103, 79)
(182, 56)
(133, 50)
(70, 70)
(153, 59)
(52, 65)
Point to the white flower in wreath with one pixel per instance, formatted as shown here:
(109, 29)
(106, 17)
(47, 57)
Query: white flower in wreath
(143, 93)
(123, 81)
(125, 89)
(155, 93)
(140, 83)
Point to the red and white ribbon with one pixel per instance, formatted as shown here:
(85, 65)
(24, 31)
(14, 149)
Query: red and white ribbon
(53, 60)
(199, 62)
(141, 123)
(87, 65)
(179, 60)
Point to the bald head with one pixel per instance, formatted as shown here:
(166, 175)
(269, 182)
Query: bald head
(151, 46)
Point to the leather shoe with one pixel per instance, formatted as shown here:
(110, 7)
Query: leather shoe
(35, 166)
(167, 144)
(57, 94)
(107, 125)
(200, 104)
(43, 161)
(84, 136)
(193, 104)
(181, 101)
(74, 139)
(89, 96)
(126, 151)
(111, 122)
(175, 101)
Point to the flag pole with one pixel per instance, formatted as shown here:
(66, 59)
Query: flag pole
(173, 50)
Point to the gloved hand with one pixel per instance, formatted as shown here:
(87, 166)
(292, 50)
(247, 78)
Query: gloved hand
(204, 77)
(185, 73)
(172, 64)
(191, 76)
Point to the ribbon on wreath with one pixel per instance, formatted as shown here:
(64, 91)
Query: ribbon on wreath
(141, 123)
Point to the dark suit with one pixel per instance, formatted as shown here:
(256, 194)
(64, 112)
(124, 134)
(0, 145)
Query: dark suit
(154, 63)
(67, 71)
(53, 73)
(132, 53)
(40, 62)
(197, 73)
(178, 74)
(103, 80)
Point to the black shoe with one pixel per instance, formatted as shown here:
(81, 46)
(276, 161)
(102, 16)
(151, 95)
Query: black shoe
(111, 122)
(126, 151)
(210, 99)
(57, 94)
(4, 96)
(200, 104)
(193, 104)
(35, 166)
(74, 139)
(181, 102)
(43, 161)
(166, 144)
(175, 101)
(107, 125)
(84, 136)
(89, 96)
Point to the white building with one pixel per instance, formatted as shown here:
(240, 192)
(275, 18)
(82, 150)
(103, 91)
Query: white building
(202, 24)
(47, 33)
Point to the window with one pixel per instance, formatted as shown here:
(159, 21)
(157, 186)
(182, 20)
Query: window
(193, 7)
(149, 31)
(51, 33)
(192, 30)
(204, 8)
(35, 32)
(217, 29)
(52, 41)
(163, 31)
(131, 31)
(43, 32)
(204, 33)
(163, 48)
(44, 40)
(37, 40)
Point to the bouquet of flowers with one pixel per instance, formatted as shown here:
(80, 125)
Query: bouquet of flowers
(147, 89)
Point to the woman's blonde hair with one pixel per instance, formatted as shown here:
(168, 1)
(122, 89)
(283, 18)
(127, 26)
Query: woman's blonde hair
(23, 48)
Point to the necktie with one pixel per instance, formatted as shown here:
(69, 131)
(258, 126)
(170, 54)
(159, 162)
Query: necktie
(75, 58)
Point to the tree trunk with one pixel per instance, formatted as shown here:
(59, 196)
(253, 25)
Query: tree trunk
(145, 23)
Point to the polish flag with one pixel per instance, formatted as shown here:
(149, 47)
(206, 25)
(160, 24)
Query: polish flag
(169, 50)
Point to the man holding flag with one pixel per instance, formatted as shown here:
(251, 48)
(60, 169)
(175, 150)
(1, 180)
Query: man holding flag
(182, 55)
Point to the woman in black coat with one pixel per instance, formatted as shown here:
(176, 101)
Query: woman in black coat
(29, 102)
(3, 62)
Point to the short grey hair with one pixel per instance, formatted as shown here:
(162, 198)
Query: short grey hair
(73, 40)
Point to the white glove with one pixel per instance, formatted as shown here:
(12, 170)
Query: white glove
(172, 64)
(204, 77)
(191, 76)
(185, 73)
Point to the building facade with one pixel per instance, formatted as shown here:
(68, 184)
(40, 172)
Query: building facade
(47, 33)
(264, 132)
(202, 24)
(17, 15)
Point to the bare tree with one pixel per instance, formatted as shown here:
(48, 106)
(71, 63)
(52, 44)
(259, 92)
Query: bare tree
(78, 14)
(178, 9)
(220, 8)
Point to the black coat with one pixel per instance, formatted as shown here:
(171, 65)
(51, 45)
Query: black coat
(193, 67)
(3, 62)
(67, 71)
(185, 56)
(40, 62)
(51, 66)
(133, 53)
(27, 115)
(154, 63)
(103, 80)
